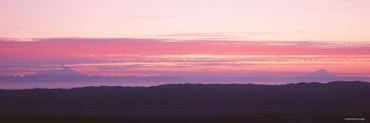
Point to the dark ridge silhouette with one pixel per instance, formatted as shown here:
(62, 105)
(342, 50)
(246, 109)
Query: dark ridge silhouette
(330, 101)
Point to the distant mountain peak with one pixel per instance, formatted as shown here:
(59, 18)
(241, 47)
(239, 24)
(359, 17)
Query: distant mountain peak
(321, 74)
(321, 71)
(64, 67)
(65, 72)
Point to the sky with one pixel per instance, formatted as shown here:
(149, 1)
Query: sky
(271, 20)
(203, 38)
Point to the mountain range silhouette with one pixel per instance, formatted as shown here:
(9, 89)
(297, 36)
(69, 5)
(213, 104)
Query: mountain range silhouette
(66, 74)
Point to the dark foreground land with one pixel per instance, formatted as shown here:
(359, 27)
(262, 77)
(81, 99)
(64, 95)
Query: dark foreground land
(260, 118)
(189, 103)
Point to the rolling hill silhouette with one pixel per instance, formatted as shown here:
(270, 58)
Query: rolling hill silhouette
(201, 100)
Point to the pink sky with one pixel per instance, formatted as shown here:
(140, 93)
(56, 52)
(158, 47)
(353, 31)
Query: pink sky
(153, 57)
(173, 37)
(271, 20)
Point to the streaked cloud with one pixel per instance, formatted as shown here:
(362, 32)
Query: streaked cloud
(155, 17)
(125, 56)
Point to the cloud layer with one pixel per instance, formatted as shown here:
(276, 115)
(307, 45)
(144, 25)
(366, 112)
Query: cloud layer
(206, 58)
